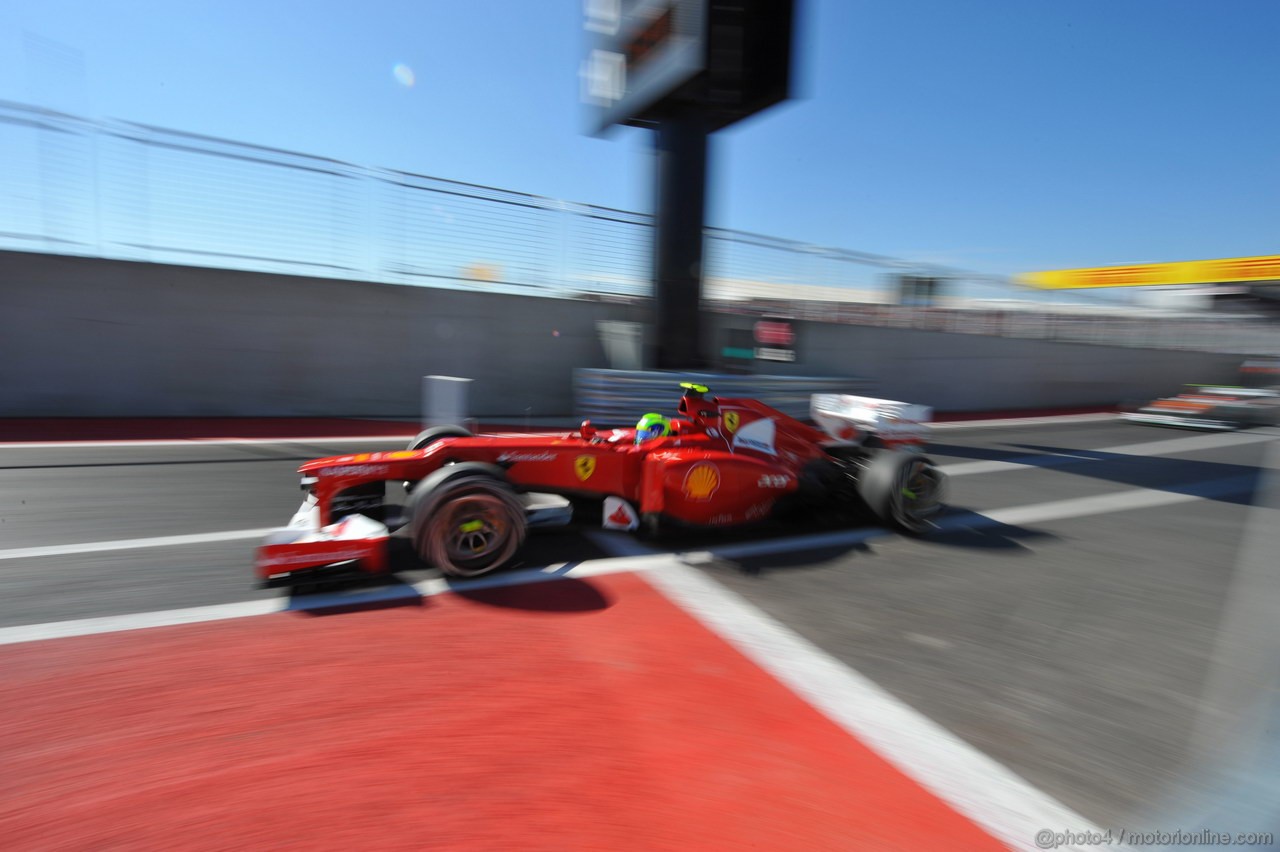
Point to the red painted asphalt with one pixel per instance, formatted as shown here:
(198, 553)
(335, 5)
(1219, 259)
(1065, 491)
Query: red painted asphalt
(566, 715)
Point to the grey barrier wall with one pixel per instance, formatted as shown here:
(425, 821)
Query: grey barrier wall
(88, 337)
(622, 396)
(85, 337)
(969, 372)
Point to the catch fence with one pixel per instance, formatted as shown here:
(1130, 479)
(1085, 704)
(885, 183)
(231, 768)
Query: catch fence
(127, 191)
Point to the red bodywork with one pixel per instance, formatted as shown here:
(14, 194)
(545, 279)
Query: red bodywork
(727, 462)
(698, 475)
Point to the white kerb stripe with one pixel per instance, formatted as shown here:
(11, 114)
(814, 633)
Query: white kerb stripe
(999, 801)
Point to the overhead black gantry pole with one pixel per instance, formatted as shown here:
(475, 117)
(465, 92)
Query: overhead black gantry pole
(685, 69)
(680, 140)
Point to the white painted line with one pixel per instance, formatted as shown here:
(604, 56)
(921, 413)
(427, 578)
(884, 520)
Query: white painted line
(245, 609)
(992, 466)
(999, 801)
(132, 543)
(137, 621)
(615, 544)
(1057, 510)
(200, 442)
(1081, 507)
(1168, 447)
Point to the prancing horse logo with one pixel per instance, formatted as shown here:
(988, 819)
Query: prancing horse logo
(731, 421)
(584, 466)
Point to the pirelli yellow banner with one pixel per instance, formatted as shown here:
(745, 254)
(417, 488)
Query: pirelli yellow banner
(1224, 270)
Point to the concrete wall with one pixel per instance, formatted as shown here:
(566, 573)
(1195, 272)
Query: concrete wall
(968, 372)
(87, 337)
(83, 337)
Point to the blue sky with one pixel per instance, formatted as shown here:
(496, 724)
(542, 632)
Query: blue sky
(998, 136)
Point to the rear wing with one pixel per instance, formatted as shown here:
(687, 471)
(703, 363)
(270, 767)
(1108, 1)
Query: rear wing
(851, 419)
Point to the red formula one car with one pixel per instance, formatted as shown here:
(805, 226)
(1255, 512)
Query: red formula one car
(719, 463)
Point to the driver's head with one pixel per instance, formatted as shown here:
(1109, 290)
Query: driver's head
(652, 426)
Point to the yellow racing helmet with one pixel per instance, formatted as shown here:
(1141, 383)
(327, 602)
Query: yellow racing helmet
(652, 425)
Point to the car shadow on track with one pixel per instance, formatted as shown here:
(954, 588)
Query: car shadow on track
(757, 566)
(504, 589)
(1226, 482)
(987, 535)
(958, 451)
(990, 535)
(563, 595)
(527, 584)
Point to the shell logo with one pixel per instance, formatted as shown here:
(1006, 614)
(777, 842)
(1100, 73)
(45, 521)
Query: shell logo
(701, 482)
(731, 421)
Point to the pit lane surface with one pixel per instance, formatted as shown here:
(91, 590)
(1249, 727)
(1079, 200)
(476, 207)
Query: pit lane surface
(1071, 646)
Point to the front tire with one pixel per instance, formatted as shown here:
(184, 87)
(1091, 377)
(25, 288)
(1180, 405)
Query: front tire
(466, 521)
(904, 490)
(429, 436)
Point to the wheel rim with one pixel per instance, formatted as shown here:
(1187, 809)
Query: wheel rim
(919, 493)
(475, 530)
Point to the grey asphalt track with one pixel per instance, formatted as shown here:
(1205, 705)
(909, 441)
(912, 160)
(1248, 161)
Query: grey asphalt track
(1074, 650)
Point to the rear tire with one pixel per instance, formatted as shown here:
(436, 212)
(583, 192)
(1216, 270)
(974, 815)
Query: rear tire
(465, 520)
(904, 490)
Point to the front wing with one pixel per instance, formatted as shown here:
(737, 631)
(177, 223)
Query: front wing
(359, 542)
(304, 545)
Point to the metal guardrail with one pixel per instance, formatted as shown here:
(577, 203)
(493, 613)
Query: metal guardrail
(620, 397)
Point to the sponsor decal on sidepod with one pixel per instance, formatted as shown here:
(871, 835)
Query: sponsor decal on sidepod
(701, 482)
